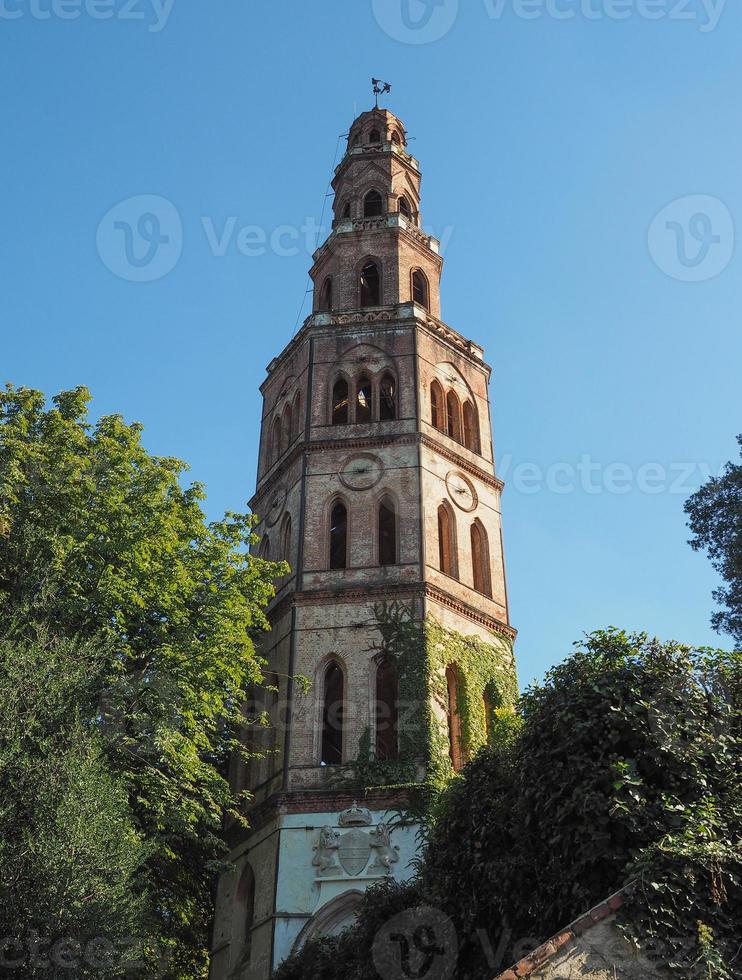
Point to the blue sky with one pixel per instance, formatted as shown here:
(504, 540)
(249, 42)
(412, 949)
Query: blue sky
(549, 147)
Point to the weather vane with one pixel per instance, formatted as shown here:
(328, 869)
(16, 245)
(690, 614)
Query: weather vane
(380, 88)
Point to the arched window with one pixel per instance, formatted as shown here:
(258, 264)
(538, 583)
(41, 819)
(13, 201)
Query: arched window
(339, 536)
(395, 137)
(437, 408)
(332, 716)
(446, 541)
(286, 538)
(374, 136)
(387, 532)
(387, 711)
(404, 208)
(387, 399)
(364, 404)
(346, 211)
(455, 743)
(491, 699)
(325, 296)
(340, 402)
(471, 427)
(287, 432)
(373, 206)
(480, 559)
(297, 414)
(420, 288)
(453, 416)
(265, 547)
(370, 285)
(275, 445)
(245, 896)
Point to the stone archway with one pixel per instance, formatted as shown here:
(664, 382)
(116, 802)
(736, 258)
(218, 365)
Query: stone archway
(331, 919)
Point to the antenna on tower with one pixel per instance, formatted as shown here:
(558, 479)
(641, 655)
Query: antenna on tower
(380, 88)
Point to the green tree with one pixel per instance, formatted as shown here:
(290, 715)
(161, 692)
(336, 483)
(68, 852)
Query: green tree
(99, 539)
(715, 518)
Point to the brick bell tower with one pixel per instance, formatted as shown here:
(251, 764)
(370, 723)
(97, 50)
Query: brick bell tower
(376, 483)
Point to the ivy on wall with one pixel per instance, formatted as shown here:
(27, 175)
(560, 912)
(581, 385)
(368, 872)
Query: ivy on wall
(421, 652)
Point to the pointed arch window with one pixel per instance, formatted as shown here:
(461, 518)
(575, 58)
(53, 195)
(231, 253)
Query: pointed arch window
(492, 701)
(453, 416)
(404, 208)
(387, 532)
(245, 896)
(373, 205)
(471, 427)
(287, 430)
(265, 547)
(286, 538)
(332, 715)
(387, 399)
(395, 137)
(339, 536)
(275, 444)
(364, 402)
(420, 292)
(437, 407)
(446, 541)
(455, 743)
(340, 402)
(297, 414)
(374, 136)
(325, 296)
(387, 711)
(346, 211)
(480, 559)
(370, 285)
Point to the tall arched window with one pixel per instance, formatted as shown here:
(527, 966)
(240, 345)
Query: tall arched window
(364, 403)
(287, 431)
(471, 427)
(387, 711)
(420, 288)
(265, 547)
(286, 538)
(395, 137)
(446, 541)
(404, 208)
(480, 559)
(297, 414)
(332, 715)
(387, 532)
(275, 444)
(373, 205)
(455, 743)
(245, 896)
(340, 402)
(387, 399)
(491, 699)
(370, 285)
(339, 536)
(346, 211)
(325, 296)
(374, 136)
(437, 407)
(453, 416)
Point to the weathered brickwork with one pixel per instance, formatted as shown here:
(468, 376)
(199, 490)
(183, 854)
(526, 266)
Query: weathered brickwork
(415, 458)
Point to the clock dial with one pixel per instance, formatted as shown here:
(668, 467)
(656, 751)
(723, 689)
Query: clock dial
(361, 472)
(461, 491)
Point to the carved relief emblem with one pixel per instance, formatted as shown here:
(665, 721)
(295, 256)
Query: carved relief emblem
(354, 851)
(326, 856)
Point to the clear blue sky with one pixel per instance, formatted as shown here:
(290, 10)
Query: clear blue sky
(548, 148)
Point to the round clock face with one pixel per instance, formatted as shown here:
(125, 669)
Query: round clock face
(361, 472)
(275, 507)
(461, 491)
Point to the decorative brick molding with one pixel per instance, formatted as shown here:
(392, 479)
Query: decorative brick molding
(566, 938)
